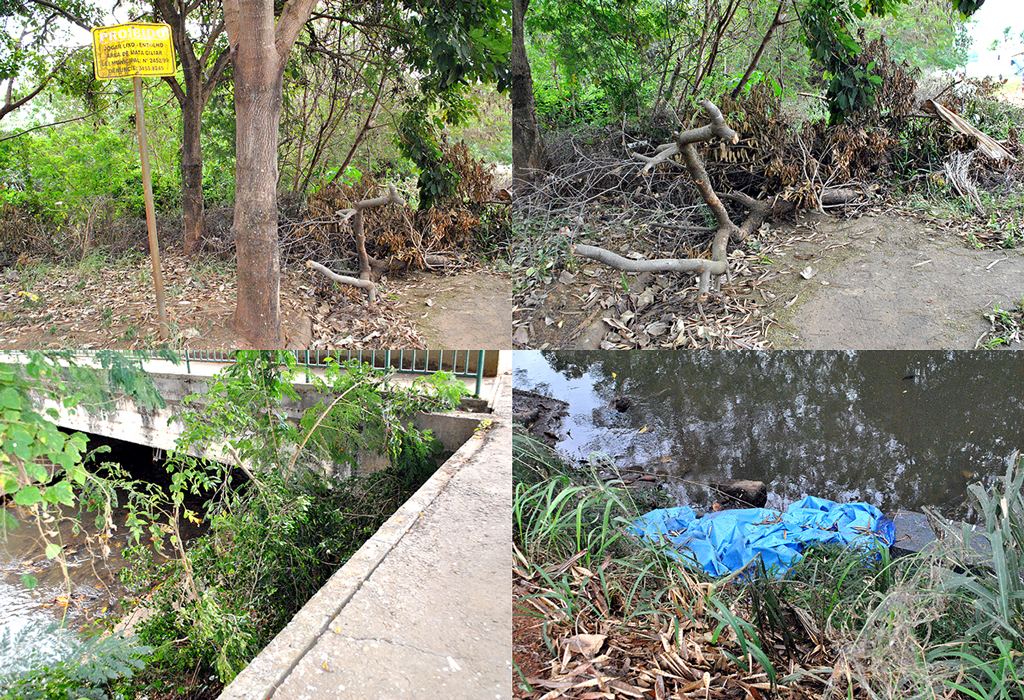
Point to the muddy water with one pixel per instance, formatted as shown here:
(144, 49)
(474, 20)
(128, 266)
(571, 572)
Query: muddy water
(90, 590)
(895, 429)
(91, 594)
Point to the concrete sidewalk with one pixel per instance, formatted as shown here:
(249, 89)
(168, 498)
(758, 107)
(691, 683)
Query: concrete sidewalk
(423, 610)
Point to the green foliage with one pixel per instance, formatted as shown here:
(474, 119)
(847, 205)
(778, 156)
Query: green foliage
(992, 648)
(29, 438)
(453, 46)
(29, 31)
(746, 637)
(597, 59)
(218, 139)
(417, 140)
(456, 44)
(826, 25)
(278, 533)
(557, 518)
(81, 669)
(533, 461)
(926, 34)
(63, 174)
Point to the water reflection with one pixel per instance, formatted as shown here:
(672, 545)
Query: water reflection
(895, 429)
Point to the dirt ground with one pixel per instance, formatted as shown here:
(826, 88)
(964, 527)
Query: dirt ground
(887, 283)
(112, 306)
(877, 281)
(464, 310)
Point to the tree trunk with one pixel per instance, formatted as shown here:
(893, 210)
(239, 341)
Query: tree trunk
(259, 50)
(192, 202)
(200, 76)
(258, 79)
(528, 152)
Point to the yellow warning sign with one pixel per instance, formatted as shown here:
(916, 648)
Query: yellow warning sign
(133, 50)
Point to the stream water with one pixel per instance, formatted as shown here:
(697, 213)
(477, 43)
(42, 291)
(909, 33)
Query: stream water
(899, 430)
(90, 591)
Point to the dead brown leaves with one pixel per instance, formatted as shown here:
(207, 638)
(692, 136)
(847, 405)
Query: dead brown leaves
(658, 310)
(675, 650)
(600, 652)
(110, 304)
(347, 322)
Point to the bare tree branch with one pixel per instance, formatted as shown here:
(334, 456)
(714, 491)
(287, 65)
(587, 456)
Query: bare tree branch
(726, 230)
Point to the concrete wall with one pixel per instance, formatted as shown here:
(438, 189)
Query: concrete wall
(161, 428)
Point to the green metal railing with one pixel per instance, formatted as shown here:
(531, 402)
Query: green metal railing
(461, 363)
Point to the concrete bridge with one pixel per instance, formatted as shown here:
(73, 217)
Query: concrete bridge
(160, 428)
(423, 609)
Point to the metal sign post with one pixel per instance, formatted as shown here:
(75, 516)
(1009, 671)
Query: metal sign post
(137, 51)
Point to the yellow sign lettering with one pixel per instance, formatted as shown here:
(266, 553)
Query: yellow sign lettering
(133, 50)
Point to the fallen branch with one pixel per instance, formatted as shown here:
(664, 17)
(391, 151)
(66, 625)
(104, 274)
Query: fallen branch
(355, 213)
(715, 267)
(357, 225)
(345, 279)
(717, 264)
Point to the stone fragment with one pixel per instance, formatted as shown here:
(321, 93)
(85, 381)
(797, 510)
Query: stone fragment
(740, 493)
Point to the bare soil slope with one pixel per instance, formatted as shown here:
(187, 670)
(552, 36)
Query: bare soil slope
(464, 311)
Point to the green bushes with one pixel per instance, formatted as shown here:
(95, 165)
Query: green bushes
(82, 672)
(278, 525)
(989, 579)
(64, 174)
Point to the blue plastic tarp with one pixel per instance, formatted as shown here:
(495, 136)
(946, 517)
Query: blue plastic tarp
(729, 540)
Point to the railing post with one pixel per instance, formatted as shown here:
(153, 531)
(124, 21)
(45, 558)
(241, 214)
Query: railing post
(479, 371)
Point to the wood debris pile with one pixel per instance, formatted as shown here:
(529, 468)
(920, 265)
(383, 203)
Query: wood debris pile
(397, 237)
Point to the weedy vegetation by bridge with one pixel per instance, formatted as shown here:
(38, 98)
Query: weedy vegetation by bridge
(274, 527)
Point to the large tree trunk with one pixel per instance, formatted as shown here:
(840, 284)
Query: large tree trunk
(259, 50)
(192, 202)
(528, 152)
(258, 86)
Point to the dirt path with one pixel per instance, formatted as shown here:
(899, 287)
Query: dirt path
(883, 282)
(471, 310)
(111, 306)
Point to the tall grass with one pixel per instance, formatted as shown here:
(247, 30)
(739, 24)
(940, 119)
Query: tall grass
(945, 623)
(986, 571)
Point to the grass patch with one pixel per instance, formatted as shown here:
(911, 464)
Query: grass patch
(946, 623)
(1007, 327)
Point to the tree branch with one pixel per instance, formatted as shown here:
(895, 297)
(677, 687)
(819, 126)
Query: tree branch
(75, 19)
(293, 18)
(684, 144)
